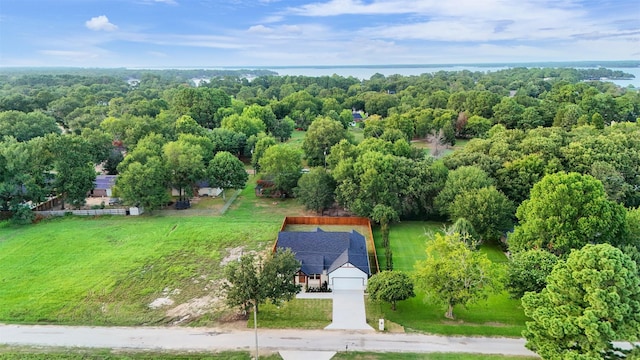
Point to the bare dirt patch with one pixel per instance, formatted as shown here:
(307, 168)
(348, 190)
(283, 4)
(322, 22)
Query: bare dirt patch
(234, 254)
(194, 308)
(160, 302)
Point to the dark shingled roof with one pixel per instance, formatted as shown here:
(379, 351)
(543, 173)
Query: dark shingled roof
(104, 181)
(322, 250)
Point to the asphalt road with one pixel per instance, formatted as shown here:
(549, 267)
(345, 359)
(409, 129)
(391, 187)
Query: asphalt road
(211, 339)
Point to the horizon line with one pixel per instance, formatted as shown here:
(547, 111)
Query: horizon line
(592, 63)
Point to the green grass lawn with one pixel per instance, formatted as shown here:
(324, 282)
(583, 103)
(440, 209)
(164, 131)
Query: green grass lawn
(106, 270)
(417, 356)
(498, 315)
(297, 138)
(408, 242)
(357, 133)
(295, 314)
(32, 353)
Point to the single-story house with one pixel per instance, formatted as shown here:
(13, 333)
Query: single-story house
(203, 189)
(338, 258)
(103, 185)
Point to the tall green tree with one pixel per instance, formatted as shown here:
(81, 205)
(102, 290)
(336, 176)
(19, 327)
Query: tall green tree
(391, 287)
(282, 163)
(226, 171)
(263, 113)
(200, 103)
(487, 209)
(252, 281)
(283, 128)
(184, 163)
(243, 124)
(528, 271)
(462, 179)
(323, 133)
(384, 215)
(262, 143)
(453, 274)
(75, 171)
(145, 184)
(25, 171)
(567, 211)
(374, 179)
(25, 126)
(316, 190)
(227, 140)
(590, 301)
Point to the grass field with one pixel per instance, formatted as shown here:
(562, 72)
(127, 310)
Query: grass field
(29, 353)
(499, 315)
(107, 270)
(416, 356)
(295, 314)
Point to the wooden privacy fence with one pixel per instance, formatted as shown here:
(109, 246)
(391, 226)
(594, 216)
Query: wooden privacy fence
(343, 221)
(49, 204)
(95, 212)
(4, 215)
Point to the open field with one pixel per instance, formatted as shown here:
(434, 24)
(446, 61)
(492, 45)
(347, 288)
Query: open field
(498, 315)
(107, 270)
(28, 353)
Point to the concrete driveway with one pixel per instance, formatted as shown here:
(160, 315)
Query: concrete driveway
(348, 311)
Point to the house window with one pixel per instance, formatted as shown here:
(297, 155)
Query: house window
(314, 276)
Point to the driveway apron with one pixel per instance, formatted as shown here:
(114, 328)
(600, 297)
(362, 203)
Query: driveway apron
(348, 311)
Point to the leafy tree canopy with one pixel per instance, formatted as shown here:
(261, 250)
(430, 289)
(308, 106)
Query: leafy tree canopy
(453, 274)
(566, 211)
(590, 301)
(227, 172)
(252, 281)
(391, 287)
(528, 271)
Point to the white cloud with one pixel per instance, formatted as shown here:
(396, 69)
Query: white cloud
(157, 54)
(260, 29)
(99, 23)
(182, 40)
(272, 19)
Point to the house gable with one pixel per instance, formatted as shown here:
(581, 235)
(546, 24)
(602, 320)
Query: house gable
(321, 251)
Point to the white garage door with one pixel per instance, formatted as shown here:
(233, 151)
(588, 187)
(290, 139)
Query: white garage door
(348, 283)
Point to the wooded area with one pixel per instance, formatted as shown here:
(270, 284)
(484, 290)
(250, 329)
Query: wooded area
(551, 160)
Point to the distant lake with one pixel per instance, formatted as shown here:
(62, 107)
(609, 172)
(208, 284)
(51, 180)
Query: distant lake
(367, 72)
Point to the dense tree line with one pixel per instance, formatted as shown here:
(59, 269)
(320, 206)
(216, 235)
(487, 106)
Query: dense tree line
(552, 166)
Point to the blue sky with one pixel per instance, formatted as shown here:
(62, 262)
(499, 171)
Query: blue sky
(212, 33)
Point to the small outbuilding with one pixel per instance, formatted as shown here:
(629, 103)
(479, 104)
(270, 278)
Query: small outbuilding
(103, 185)
(338, 259)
